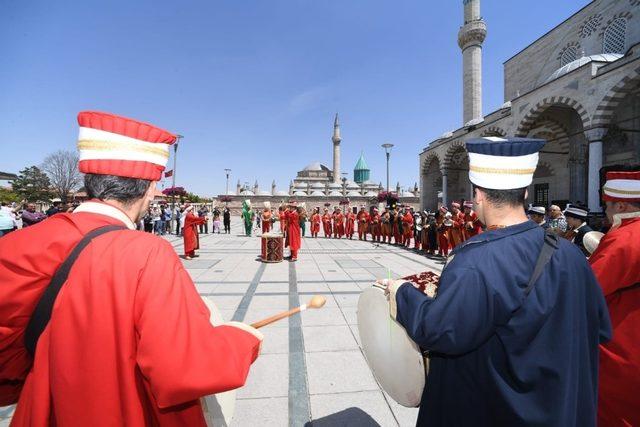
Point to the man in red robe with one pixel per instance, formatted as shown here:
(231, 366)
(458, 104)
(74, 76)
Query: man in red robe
(363, 223)
(407, 227)
(456, 231)
(375, 225)
(266, 218)
(472, 224)
(326, 223)
(350, 223)
(129, 342)
(315, 222)
(616, 264)
(338, 224)
(293, 230)
(443, 225)
(190, 233)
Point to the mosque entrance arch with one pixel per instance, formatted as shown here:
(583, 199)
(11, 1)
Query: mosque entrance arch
(431, 183)
(561, 122)
(457, 169)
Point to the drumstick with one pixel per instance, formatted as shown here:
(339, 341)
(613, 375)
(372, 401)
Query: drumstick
(316, 302)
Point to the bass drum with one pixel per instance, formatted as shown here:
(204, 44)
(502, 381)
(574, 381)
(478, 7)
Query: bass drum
(218, 408)
(396, 361)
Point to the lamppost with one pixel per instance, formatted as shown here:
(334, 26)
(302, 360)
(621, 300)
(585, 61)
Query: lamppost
(173, 184)
(344, 183)
(387, 149)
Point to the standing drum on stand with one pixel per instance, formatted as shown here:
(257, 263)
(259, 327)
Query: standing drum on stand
(272, 247)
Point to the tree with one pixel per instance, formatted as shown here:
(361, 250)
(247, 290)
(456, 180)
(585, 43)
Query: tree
(32, 185)
(9, 196)
(62, 169)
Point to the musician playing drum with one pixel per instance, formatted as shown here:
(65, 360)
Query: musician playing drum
(514, 328)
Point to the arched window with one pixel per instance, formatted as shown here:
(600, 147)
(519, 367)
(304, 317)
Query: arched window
(615, 36)
(569, 54)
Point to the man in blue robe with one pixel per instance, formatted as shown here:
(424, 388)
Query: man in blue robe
(507, 349)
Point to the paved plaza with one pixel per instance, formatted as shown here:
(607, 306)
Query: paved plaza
(311, 366)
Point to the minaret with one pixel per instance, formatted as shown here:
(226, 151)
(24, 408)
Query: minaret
(336, 150)
(470, 38)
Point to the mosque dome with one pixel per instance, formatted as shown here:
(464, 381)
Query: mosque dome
(574, 65)
(247, 193)
(361, 171)
(371, 194)
(317, 185)
(300, 185)
(353, 193)
(317, 193)
(264, 193)
(352, 185)
(281, 193)
(335, 193)
(334, 185)
(315, 166)
(300, 194)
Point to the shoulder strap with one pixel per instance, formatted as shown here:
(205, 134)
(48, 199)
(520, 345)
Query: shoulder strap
(42, 313)
(549, 246)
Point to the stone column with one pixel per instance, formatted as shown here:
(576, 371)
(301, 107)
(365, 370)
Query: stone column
(445, 200)
(594, 136)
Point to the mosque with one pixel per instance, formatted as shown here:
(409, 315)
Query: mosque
(577, 86)
(317, 185)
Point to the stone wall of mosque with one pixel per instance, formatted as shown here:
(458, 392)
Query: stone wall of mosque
(602, 26)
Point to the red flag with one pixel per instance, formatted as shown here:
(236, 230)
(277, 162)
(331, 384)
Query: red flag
(168, 174)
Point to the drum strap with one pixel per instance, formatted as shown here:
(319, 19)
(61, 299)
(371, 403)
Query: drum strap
(548, 248)
(42, 313)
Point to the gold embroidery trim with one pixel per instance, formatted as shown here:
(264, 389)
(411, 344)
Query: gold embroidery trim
(88, 144)
(615, 190)
(502, 171)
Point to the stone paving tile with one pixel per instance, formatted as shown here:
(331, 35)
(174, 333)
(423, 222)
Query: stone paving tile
(313, 287)
(224, 302)
(326, 316)
(231, 287)
(347, 300)
(276, 340)
(347, 286)
(338, 372)
(405, 416)
(351, 314)
(362, 409)
(267, 412)
(269, 377)
(328, 338)
(272, 287)
(276, 303)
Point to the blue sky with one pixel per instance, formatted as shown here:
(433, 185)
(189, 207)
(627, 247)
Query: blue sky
(253, 85)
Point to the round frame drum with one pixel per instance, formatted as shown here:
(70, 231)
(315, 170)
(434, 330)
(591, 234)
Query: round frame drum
(218, 408)
(396, 361)
(272, 249)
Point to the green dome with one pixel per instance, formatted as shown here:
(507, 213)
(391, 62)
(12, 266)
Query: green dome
(361, 165)
(361, 172)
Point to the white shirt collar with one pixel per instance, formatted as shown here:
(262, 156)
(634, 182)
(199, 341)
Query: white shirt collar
(617, 218)
(107, 210)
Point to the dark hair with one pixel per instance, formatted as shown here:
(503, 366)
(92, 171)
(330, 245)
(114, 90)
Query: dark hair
(110, 187)
(513, 197)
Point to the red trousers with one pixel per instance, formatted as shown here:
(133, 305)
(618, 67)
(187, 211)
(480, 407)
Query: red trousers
(266, 226)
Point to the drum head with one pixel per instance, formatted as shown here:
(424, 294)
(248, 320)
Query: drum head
(218, 408)
(396, 361)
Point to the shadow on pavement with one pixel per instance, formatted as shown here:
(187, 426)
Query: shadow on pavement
(352, 417)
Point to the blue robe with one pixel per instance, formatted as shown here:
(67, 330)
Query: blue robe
(498, 358)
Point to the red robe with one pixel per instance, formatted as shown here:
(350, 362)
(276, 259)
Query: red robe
(129, 342)
(190, 233)
(293, 232)
(338, 225)
(326, 225)
(407, 228)
(266, 220)
(456, 234)
(350, 224)
(443, 238)
(376, 230)
(283, 221)
(616, 264)
(472, 225)
(315, 224)
(363, 224)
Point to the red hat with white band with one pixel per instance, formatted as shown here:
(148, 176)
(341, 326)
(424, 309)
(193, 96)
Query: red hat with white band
(622, 187)
(115, 145)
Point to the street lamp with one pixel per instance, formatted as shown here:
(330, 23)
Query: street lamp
(387, 149)
(227, 172)
(173, 184)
